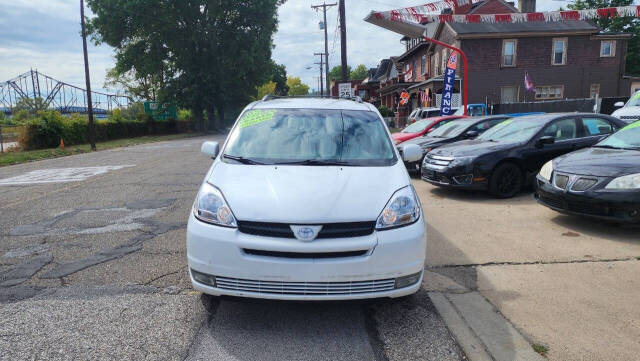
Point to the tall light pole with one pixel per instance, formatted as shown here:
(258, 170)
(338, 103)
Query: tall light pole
(92, 137)
(324, 7)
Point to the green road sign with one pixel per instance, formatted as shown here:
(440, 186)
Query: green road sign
(161, 112)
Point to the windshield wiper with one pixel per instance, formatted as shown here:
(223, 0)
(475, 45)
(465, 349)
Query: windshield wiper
(314, 162)
(606, 146)
(242, 160)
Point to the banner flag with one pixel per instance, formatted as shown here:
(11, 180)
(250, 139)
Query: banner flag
(449, 80)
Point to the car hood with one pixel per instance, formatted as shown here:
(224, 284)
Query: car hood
(307, 194)
(401, 137)
(599, 162)
(630, 110)
(472, 147)
(427, 141)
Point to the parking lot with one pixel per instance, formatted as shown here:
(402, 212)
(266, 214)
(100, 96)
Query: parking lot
(93, 266)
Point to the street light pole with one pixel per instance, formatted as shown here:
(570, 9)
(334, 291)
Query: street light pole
(92, 139)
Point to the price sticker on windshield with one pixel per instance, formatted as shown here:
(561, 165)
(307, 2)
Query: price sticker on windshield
(257, 116)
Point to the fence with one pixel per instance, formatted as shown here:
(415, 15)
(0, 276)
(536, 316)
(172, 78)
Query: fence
(8, 137)
(606, 106)
(550, 106)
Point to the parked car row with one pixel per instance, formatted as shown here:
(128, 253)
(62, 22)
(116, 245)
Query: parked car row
(503, 155)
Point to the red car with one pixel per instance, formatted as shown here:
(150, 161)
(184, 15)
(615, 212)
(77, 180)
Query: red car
(422, 127)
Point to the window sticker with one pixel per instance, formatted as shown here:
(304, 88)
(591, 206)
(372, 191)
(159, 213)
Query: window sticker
(257, 116)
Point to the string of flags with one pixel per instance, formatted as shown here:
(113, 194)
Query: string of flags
(421, 14)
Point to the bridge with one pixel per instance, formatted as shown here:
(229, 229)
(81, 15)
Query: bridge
(45, 92)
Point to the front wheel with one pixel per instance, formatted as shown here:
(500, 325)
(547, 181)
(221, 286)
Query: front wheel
(506, 181)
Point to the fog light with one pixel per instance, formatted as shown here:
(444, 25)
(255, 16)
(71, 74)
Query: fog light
(463, 179)
(407, 280)
(205, 279)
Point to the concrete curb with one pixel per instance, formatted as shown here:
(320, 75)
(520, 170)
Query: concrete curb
(482, 332)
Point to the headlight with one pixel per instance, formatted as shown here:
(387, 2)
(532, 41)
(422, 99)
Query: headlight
(402, 209)
(211, 207)
(547, 170)
(631, 181)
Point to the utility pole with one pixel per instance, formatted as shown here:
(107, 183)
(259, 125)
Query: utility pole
(321, 63)
(92, 139)
(324, 7)
(343, 41)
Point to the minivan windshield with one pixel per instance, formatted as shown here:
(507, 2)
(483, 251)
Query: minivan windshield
(417, 127)
(626, 138)
(513, 131)
(310, 137)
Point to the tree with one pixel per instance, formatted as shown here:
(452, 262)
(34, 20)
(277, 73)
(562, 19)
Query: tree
(30, 105)
(266, 88)
(296, 86)
(279, 77)
(617, 24)
(336, 72)
(211, 55)
(133, 85)
(359, 73)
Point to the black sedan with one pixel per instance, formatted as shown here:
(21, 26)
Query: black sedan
(602, 181)
(451, 132)
(508, 156)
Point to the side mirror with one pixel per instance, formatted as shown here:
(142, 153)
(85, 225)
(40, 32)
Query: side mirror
(547, 139)
(618, 104)
(430, 130)
(471, 134)
(210, 149)
(411, 153)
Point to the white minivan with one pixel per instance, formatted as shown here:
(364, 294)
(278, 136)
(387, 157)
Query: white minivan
(307, 199)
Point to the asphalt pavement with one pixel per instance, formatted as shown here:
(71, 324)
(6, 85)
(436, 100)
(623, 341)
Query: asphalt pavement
(93, 266)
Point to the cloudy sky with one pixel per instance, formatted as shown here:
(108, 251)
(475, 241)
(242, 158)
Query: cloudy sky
(45, 35)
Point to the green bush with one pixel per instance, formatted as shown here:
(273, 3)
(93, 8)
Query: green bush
(46, 130)
(386, 112)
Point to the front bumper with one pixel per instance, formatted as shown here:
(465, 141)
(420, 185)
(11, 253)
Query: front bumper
(391, 254)
(618, 206)
(451, 176)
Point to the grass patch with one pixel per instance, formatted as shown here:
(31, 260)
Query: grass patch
(541, 349)
(17, 157)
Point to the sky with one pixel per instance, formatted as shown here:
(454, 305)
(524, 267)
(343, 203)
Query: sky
(45, 35)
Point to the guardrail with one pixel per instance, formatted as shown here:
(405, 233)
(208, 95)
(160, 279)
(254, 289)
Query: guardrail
(8, 136)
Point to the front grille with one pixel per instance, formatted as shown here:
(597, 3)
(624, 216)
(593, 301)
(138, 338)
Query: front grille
(305, 288)
(428, 174)
(556, 203)
(583, 184)
(561, 181)
(329, 230)
(438, 160)
(588, 208)
(301, 255)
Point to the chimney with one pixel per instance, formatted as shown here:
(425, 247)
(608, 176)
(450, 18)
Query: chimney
(527, 6)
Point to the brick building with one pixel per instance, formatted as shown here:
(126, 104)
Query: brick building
(571, 59)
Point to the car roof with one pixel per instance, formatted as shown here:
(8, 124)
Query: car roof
(481, 118)
(311, 103)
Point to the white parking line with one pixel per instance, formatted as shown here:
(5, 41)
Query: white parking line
(59, 175)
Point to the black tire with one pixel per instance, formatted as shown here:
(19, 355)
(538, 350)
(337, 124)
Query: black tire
(506, 181)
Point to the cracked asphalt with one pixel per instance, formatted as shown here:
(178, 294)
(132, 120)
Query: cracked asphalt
(95, 269)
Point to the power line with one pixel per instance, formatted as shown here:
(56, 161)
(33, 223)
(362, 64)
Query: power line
(324, 7)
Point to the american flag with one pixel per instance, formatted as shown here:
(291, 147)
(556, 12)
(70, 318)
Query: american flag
(528, 84)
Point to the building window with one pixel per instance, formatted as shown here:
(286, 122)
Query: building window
(607, 48)
(509, 94)
(509, 49)
(423, 64)
(559, 56)
(594, 90)
(436, 64)
(445, 57)
(549, 92)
